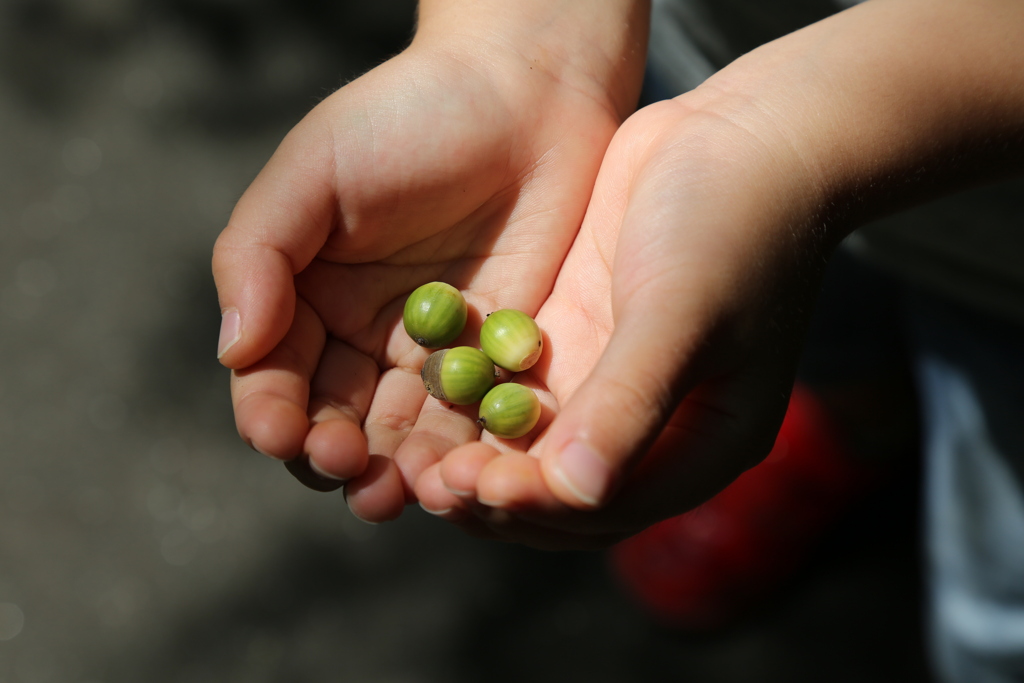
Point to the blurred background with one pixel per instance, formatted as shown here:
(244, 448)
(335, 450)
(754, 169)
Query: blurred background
(140, 540)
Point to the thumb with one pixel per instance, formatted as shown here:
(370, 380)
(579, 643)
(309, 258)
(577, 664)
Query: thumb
(620, 409)
(276, 229)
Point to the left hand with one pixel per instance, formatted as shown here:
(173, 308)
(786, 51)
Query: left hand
(674, 328)
(676, 321)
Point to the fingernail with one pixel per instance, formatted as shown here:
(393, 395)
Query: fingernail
(434, 512)
(583, 472)
(262, 452)
(321, 473)
(364, 521)
(230, 330)
(457, 492)
(344, 494)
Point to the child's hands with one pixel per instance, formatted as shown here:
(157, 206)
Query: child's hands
(462, 160)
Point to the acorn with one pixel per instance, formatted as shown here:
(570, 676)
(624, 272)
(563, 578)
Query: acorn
(461, 375)
(509, 410)
(434, 314)
(511, 339)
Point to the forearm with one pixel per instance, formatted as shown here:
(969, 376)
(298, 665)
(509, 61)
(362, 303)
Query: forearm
(889, 103)
(598, 48)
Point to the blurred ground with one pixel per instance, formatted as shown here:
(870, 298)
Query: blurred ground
(141, 541)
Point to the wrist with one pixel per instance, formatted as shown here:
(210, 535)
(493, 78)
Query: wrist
(545, 45)
(889, 103)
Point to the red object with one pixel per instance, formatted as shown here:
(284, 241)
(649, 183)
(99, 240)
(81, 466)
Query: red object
(701, 569)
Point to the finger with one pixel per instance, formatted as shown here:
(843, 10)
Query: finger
(396, 404)
(340, 396)
(372, 495)
(657, 327)
(617, 412)
(513, 480)
(513, 483)
(659, 331)
(271, 397)
(380, 492)
(461, 468)
(436, 499)
(276, 229)
(529, 514)
(439, 428)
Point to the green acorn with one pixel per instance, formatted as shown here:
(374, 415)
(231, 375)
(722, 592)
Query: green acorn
(509, 410)
(434, 314)
(461, 375)
(511, 339)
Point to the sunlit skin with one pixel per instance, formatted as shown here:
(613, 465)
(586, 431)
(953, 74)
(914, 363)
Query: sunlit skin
(672, 318)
